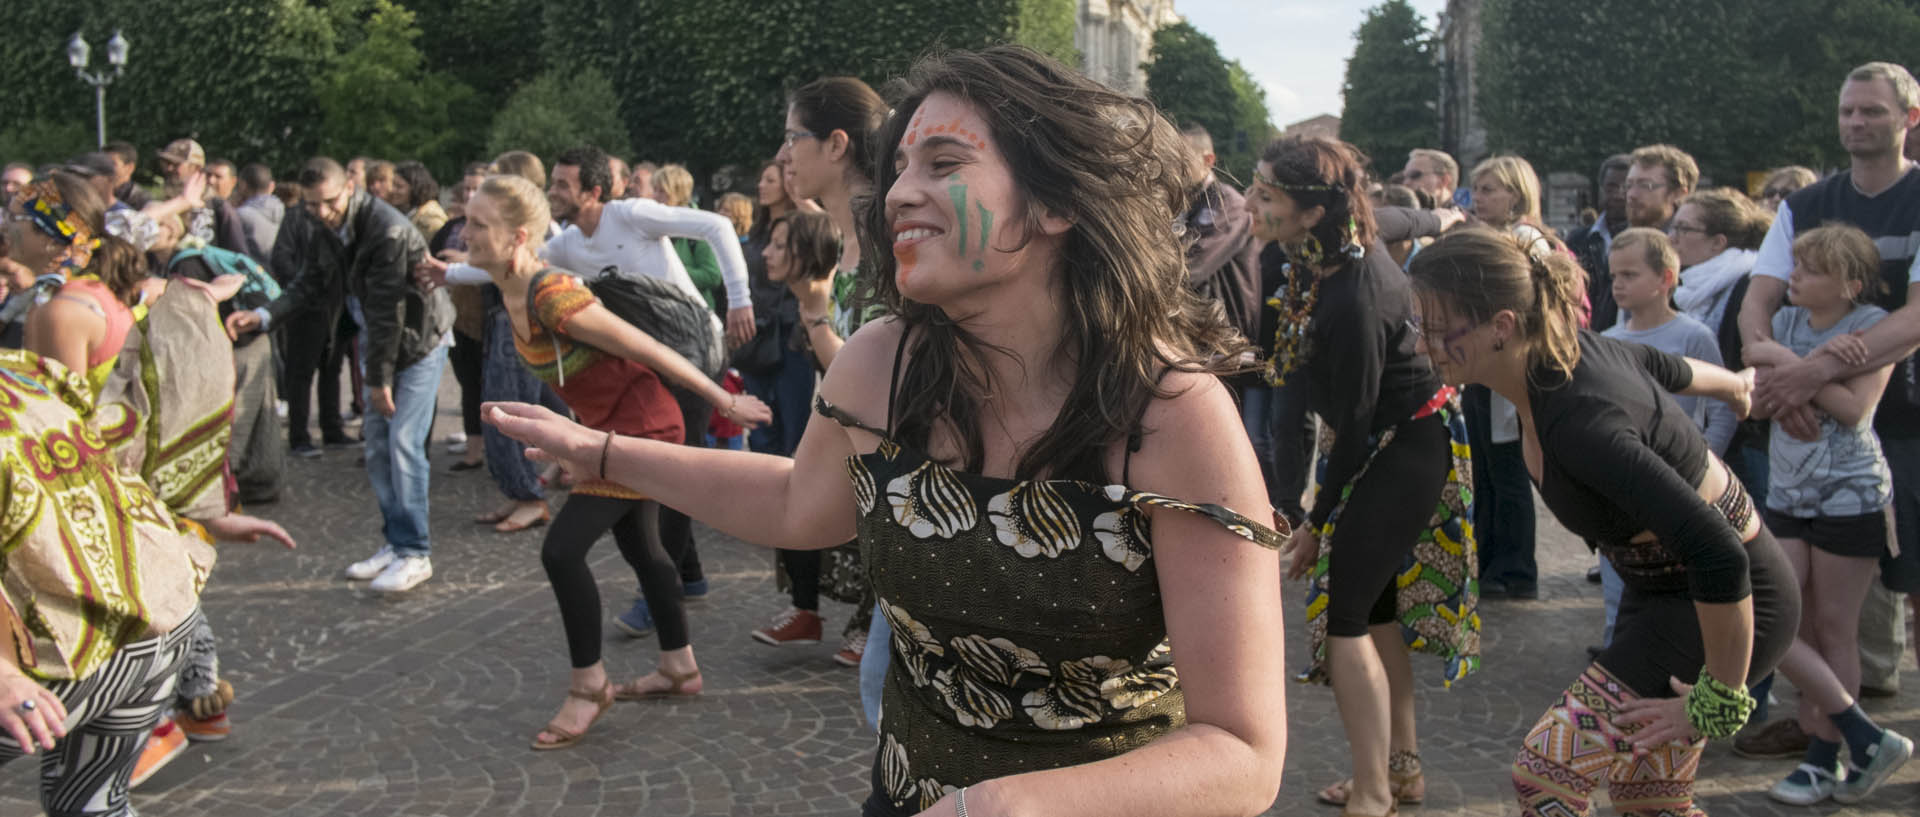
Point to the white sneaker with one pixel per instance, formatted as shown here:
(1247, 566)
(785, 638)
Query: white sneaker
(457, 447)
(371, 566)
(280, 409)
(404, 574)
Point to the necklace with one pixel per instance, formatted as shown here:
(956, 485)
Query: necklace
(1294, 301)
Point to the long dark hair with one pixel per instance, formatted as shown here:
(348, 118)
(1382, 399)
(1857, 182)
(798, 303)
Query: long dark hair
(846, 104)
(813, 243)
(762, 217)
(421, 188)
(1114, 168)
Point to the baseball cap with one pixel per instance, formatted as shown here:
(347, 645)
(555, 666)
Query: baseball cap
(91, 165)
(184, 151)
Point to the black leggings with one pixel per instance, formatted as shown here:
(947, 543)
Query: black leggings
(803, 577)
(1657, 635)
(1390, 505)
(676, 530)
(467, 355)
(636, 529)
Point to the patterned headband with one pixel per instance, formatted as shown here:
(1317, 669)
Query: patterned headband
(1268, 180)
(42, 204)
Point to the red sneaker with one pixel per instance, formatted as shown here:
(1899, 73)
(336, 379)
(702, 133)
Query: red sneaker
(794, 626)
(166, 743)
(852, 649)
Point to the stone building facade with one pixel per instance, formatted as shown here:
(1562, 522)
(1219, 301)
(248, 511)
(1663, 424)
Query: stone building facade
(1114, 37)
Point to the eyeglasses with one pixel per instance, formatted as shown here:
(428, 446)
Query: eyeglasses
(1415, 175)
(1775, 193)
(789, 137)
(1644, 185)
(1677, 228)
(1419, 328)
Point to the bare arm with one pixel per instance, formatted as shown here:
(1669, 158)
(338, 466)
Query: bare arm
(1221, 597)
(805, 502)
(1852, 400)
(64, 329)
(600, 328)
(1765, 294)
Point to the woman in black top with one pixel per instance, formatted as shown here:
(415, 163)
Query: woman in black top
(1709, 595)
(1390, 503)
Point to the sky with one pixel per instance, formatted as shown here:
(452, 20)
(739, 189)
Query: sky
(1296, 49)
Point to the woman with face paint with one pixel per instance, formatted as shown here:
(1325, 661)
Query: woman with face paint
(1710, 600)
(1391, 502)
(1009, 444)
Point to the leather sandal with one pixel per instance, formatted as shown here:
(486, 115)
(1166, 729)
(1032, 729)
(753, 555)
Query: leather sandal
(1408, 790)
(507, 525)
(494, 517)
(602, 698)
(630, 691)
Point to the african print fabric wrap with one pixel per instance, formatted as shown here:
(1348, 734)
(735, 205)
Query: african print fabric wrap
(93, 561)
(1438, 585)
(167, 406)
(1576, 745)
(51, 214)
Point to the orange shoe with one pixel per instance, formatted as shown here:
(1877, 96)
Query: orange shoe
(204, 730)
(166, 743)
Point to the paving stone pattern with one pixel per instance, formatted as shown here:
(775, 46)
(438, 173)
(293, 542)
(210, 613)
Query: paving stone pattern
(351, 703)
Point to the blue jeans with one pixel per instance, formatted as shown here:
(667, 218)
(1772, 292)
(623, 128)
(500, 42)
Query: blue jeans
(1281, 431)
(397, 454)
(1611, 587)
(873, 668)
(788, 390)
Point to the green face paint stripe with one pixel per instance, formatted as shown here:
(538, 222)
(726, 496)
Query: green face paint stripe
(986, 226)
(959, 194)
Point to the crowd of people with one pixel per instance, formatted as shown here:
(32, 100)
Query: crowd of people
(943, 358)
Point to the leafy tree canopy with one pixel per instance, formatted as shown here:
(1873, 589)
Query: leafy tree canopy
(1392, 86)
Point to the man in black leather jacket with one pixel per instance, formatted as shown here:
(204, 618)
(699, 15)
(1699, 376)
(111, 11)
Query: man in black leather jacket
(359, 257)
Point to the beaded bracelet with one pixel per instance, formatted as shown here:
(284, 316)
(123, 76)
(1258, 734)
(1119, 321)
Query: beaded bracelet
(1715, 709)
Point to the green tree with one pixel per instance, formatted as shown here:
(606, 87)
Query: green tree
(560, 110)
(1567, 84)
(706, 83)
(378, 99)
(1193, 84)
(43, 141)
(1391, 87)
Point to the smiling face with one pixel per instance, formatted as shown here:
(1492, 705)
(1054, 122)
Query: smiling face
(1276, 216)
(490, 240)
(957, 217)
(328, 201)
(563, 192)
(778, 253)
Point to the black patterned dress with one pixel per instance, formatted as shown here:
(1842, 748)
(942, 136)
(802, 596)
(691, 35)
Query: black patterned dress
(1026, 617)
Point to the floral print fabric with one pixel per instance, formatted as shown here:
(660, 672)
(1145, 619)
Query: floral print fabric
(1026, 619)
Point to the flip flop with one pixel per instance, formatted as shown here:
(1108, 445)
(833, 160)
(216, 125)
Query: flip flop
(509, 526)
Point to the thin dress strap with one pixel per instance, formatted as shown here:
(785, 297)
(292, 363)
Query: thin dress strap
(893, 383)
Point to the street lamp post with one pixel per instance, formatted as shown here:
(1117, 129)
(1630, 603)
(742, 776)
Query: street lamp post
(77, 52)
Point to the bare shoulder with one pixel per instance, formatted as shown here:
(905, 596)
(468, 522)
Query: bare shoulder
(862, 370)
(1190, 435)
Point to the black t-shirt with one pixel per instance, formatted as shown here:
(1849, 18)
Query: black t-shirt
(1619, 457)
(1363, 375)
(1892, 220)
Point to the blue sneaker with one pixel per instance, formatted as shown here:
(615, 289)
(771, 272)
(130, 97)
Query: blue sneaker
(694, 590)
(637, 621)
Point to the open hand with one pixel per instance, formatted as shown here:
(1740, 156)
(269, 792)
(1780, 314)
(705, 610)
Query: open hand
(749, 411)
(239, 527)
(1301, 551)
(549, 436)
(30, 713)
(1661, 720)
(739, 326)
(1850, 348)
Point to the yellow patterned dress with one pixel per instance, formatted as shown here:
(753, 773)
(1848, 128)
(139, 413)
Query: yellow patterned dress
(93, 560)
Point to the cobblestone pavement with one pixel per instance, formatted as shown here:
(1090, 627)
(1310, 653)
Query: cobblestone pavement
(350, 703)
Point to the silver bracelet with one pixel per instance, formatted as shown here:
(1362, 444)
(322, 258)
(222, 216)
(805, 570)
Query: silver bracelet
(960, 802)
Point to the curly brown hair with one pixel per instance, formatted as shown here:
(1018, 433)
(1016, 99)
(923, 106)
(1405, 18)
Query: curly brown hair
(1114, 168)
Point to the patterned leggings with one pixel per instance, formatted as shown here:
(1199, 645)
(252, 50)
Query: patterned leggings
(109, 716)
(1576, 745)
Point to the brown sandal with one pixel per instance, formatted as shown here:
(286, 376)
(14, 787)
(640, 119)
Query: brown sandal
(1408, 789)
(629, 692)
(602, 697)
(508, 525)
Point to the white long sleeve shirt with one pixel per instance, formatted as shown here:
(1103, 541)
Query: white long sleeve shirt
(634, 238)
